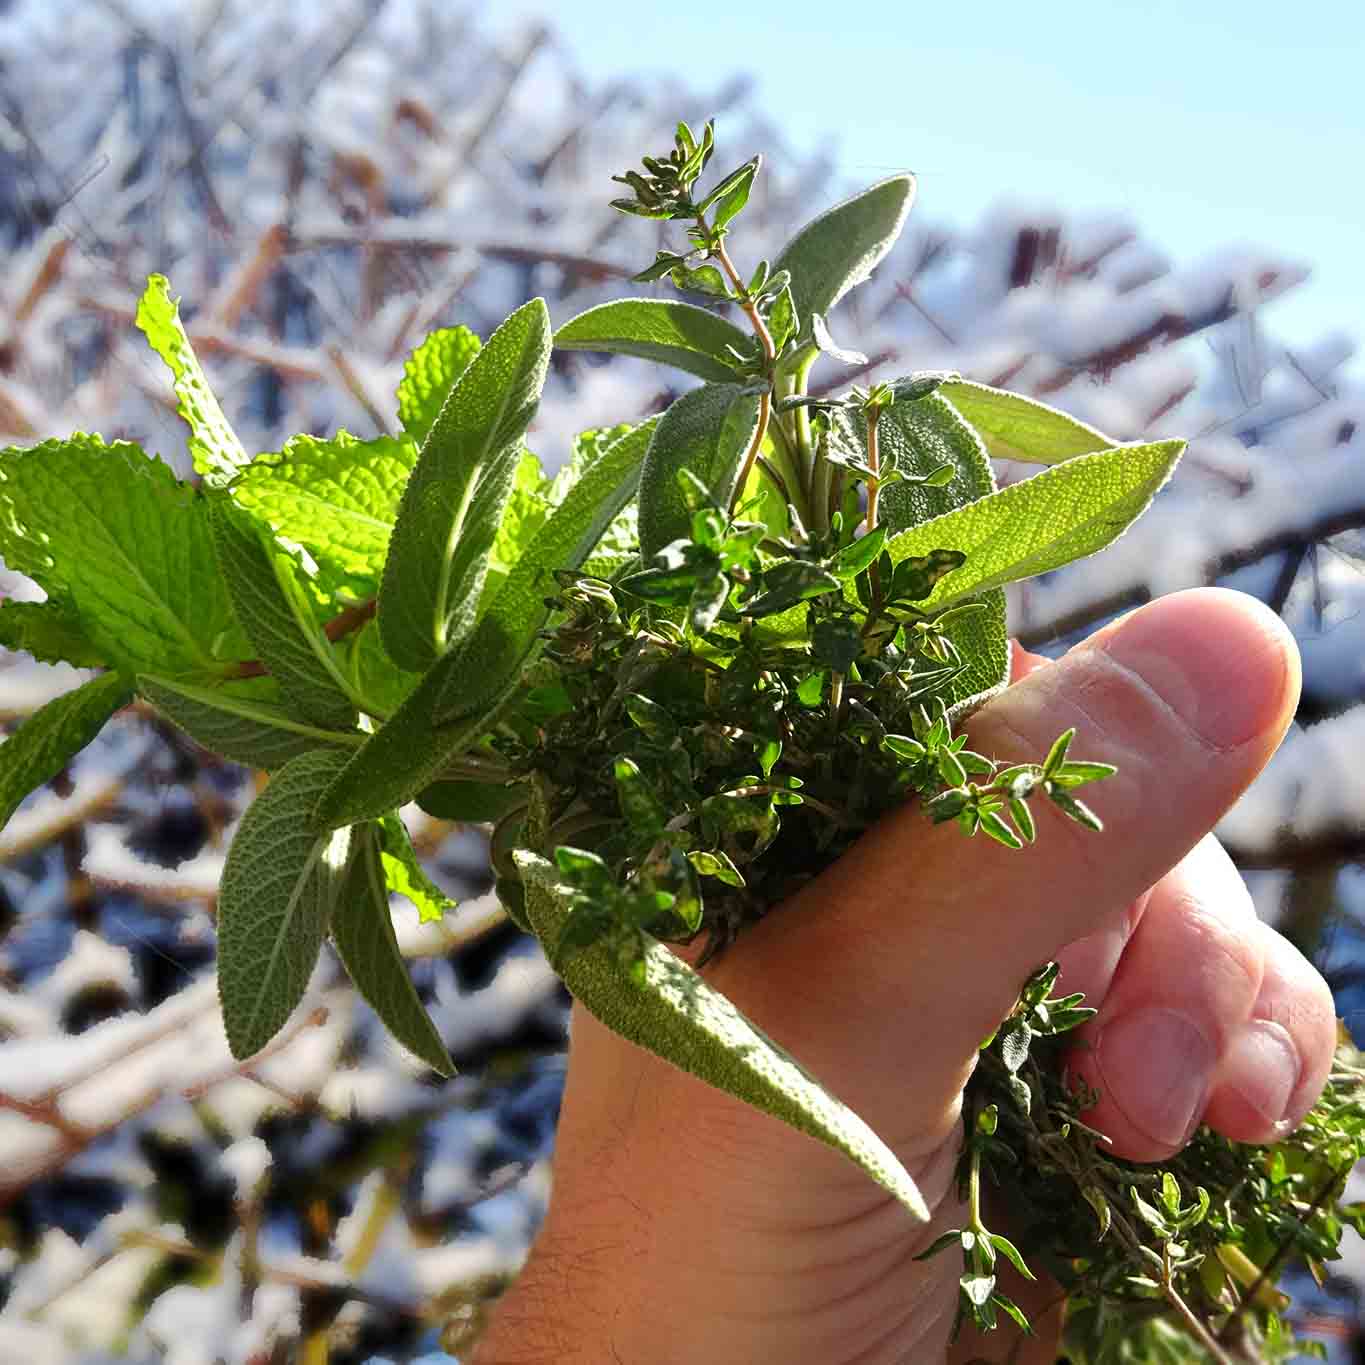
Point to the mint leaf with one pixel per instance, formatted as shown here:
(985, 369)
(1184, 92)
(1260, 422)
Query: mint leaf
(371, 674)
(430, 373)
(841, 248)
(1018, 428)
(587, 447)
(527, 507)
(456, 701)
(706, 431)
(214, 447)
(53, 735)
(280, 883)
(123, 548)
(673, 1013)
(1068, 511)
(337, 498)
(404, 872)
(243, 729)
(672, 333)
(362, 932)
(277, 616)
(49, 632)
(453, 503)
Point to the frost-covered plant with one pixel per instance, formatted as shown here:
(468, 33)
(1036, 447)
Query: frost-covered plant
(680, 678)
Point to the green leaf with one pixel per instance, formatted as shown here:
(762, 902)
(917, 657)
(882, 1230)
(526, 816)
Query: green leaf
(429, 374)
(673, 1013)
(53, 735)
(707, 431)
(277, 616)
(1011, 1253)
(524, 514)
(1018, 428)
(243, 729)
(788, 582)
(371, 675)
(918, 438)
(363, 935)
(452, 706)
(1044, 522)
(123, 548)
(453, 502)
(338, 498)
(490, 660)
(214, 447)
(404, 872)
(731, 194)
(280, 883)
(50, 632)
(470, 802)
(841, 248)
(672, 333)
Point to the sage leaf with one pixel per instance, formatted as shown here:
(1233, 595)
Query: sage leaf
(1018, 428)
(665, 330)
(469, 803)
(1062, 514)
(453, 502)
(706, 431)
(243, 729)
(214, 448)
(53, 735)
(50, 632)
(338, 498)
(122, 548)
(429, 374)
(277, 616)
(491, 659)
(280, 883)
(673, 1013)
(841, 248)
(363, 935)
(454, 703)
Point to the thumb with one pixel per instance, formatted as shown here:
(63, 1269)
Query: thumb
(884, 974)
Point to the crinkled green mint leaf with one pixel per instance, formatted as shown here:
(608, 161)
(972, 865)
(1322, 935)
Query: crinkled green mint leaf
(338, 498)
(214, 447)
(123, 548)
(49, 632)
(430, 373)
(404, 872)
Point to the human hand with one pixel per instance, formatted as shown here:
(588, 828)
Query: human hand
(686, 1227)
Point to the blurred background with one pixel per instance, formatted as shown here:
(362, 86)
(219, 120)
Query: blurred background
(1153, 223)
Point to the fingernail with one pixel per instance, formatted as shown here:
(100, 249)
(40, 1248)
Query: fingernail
(1216, 680)
(1263, 1066)
(1157, 1065)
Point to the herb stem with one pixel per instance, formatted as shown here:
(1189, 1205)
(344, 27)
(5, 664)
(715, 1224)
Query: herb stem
(874, 577)
(765, 403)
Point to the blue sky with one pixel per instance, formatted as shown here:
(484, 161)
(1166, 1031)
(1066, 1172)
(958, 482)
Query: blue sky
(1210, 124)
